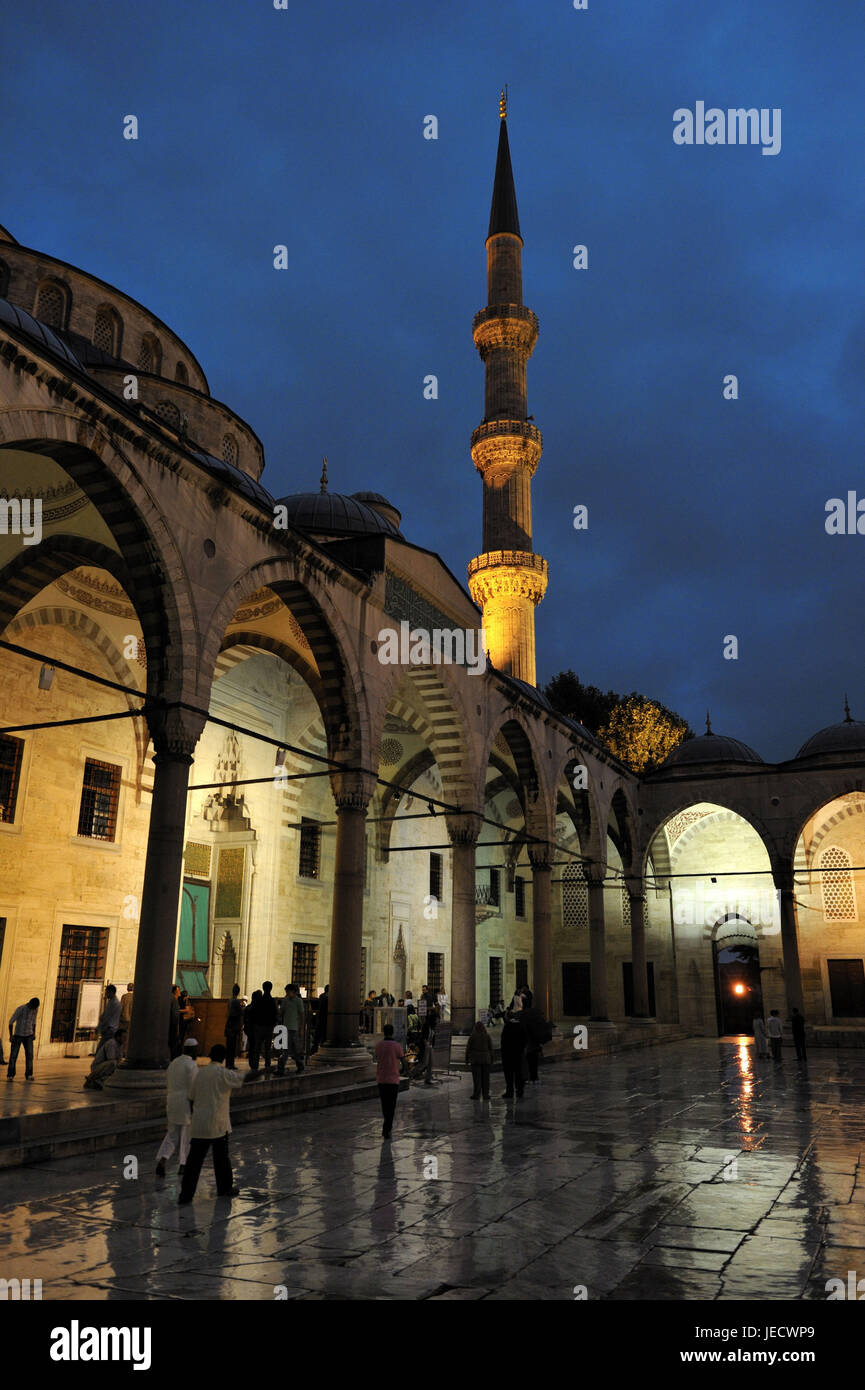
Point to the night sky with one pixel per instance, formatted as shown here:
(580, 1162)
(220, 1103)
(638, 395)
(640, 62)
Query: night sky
(261, 126)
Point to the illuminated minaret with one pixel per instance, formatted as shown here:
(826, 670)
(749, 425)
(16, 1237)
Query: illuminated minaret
(508, 580)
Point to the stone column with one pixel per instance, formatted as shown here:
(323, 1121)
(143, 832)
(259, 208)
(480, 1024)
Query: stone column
(598, 943)
(351, 792)
(174, 736)
(463, 832)
(542, 984)
(789, 939)
(639, 968)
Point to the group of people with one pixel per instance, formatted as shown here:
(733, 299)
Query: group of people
(770, 1035)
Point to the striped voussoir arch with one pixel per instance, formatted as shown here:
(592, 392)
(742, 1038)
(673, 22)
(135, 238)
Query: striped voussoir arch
(827, 828)
(713, 818)
(388, 799)
(240, 645)
(313, 745)
(334, 692)
(442, 732)
(73, 620)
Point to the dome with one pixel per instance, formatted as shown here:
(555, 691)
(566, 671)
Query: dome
(381, 505)
(846, 737)
(336, 515)
(710, 748)
(19, 318)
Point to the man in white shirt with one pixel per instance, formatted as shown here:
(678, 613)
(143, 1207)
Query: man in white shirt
(178, 1111)
(211, 1091)
(775, 1030)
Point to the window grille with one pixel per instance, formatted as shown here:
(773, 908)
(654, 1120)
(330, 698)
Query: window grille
(839, 896)
(575, 898)
(435, 971)
(310, 848)
(520, 896)
(304, 966)
(435, 876)
(11, 752)
(82, 957)
(100, 795)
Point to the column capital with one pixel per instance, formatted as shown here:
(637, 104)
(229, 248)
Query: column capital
(595, 875)
(782, 877)
(464, 828)
(352, 790)
(636, 889)
(175, 731)
(541, 857)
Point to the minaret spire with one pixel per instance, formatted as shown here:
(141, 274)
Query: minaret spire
(508, 580)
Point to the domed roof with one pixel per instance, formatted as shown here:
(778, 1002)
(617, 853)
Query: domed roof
(710, 748)
(335, 514)
(19, 318)
(846, 737)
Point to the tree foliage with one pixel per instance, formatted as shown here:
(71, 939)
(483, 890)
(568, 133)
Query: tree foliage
(639, 731)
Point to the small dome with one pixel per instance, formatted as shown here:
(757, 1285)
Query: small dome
(381, 505)
(333, 514)
(19, 318)
(710, 748)
(846, 737)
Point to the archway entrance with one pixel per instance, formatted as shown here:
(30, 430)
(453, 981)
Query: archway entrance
(738, 990)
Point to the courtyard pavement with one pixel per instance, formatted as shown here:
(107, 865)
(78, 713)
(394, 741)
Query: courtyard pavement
(685, 1172)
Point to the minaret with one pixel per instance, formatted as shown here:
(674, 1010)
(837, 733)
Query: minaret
(508, 580)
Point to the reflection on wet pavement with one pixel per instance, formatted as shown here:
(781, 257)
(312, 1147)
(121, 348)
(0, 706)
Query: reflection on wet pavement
(687, 1172)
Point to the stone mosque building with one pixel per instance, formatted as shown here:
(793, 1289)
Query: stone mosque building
(209, 771)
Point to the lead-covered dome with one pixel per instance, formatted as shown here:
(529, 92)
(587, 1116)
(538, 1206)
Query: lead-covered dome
(710, 748)
(846, 737)
(333, 514)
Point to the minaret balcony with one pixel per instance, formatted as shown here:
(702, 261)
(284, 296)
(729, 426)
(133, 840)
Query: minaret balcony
(508, 326)
(507, 574)
(501, 446)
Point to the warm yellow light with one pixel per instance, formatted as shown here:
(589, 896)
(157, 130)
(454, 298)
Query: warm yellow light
(738, 989)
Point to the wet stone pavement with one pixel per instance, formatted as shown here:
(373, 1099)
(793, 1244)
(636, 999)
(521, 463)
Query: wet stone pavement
(685, 1172)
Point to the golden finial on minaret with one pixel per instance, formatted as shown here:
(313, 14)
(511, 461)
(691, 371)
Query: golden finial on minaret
(324, 474)
(503, 103)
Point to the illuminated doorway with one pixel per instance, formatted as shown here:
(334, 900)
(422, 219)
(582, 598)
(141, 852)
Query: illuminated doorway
(738, 991)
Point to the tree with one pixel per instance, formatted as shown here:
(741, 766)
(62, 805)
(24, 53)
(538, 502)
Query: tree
(642, 732)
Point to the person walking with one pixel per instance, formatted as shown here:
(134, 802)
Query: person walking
(126, 1015)
(797, 1022)
(109, 1020)
(776, 1032)
(292, 1016)
(179, 1080)
(479, 1056)
(760, 1038)
(211, 1126)
(513, 1044)
(22, 1031)
(388, 1060)
(233, 1027)
(174, 1023)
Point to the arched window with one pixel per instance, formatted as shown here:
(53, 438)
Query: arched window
(839, 896)
(575, 898)
(150, 354)
(229, 449)
(4, 279)
(106, 331)
(167, 411)
(181, 375)
(52, 304)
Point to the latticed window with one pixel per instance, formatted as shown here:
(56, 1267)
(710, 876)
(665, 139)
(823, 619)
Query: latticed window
(435, 971)
(229, 450)
(181, 375)
(496, 979)
(100, 795)
(106, 332)
(310, 848)
(304, 965)
(50, 305)
(82, 957)
(11, 752)
(839, 895)
(626, 908)
(150, 354)
(520, 896)
(575, 898)
(363, 988)
(167, 411)
(435, 876)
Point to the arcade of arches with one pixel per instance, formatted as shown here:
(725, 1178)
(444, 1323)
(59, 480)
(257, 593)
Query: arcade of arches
(207, 773)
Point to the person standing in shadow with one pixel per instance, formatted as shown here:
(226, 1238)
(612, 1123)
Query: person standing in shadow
(513, 1045)
(797, 1023)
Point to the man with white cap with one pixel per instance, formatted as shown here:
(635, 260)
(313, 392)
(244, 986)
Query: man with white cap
(178, 1079)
